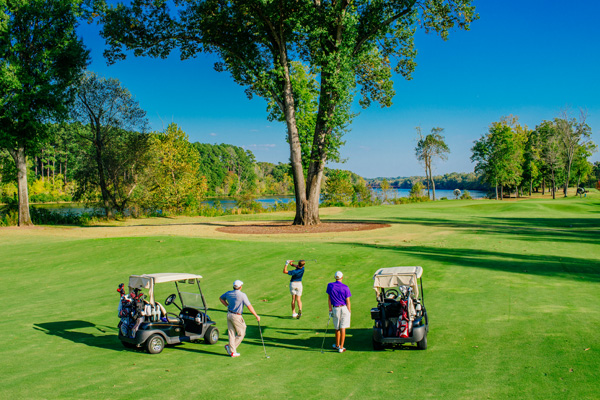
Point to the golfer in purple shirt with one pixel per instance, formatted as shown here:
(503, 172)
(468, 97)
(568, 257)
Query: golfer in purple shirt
(339, 309)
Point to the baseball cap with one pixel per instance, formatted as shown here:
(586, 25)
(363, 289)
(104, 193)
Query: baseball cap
(338, 275)
(237, 283)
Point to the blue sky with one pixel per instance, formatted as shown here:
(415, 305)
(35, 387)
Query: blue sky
(529, 58)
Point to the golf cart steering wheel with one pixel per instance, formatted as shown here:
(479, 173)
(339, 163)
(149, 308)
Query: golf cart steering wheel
(392, 292)
(170, 299)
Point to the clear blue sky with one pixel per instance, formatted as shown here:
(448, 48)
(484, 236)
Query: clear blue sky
(530, 58)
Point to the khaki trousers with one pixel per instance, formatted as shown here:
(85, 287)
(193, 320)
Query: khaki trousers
(236, 329)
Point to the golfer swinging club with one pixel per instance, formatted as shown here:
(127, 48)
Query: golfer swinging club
(235, 300)
(295, 285)
(339, 309)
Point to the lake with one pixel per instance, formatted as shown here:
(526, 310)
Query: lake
(266, 201)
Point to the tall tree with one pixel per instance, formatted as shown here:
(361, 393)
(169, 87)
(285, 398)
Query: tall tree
(498, 155)
(112, 123)
(552, 151)
(428, 149)
(347, 44)
(573, 134)
(173, 180)
(40, 59)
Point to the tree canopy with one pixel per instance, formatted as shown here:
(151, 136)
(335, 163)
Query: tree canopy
(348, 45)
(40, 59)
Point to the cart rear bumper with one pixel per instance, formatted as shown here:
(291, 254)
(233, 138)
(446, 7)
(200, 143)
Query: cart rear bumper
(417, 335)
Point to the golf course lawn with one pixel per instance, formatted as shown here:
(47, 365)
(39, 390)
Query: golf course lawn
(511, 288)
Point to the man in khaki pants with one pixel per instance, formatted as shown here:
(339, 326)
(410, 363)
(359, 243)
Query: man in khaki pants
(235, 300)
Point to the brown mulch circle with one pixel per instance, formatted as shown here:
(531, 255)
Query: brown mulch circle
(284, 227)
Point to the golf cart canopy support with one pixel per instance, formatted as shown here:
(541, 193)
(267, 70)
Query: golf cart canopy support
(397, 276)
(147, 281)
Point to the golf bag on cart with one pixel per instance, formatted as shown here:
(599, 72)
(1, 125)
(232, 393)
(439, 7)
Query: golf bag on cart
(130, 311)
(404, 327)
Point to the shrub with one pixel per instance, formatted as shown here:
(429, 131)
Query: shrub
(466, 196)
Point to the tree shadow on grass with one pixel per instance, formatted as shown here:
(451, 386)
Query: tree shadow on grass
(78, 331)
(545, 265)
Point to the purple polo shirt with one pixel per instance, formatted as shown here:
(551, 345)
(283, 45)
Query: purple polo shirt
(338, 293)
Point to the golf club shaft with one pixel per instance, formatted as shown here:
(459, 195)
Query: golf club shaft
(325, 335)
(262, 340)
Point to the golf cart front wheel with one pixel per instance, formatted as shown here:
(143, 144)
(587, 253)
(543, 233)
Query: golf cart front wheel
(377, 345)
(155, 344)
(422, 344)
(212, 335)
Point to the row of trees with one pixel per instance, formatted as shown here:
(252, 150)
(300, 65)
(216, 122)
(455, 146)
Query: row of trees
(450, 181)
(511, 156)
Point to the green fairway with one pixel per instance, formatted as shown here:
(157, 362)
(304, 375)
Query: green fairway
(511, 289)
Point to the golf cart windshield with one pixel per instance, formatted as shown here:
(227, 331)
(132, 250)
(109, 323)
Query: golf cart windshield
(193, 300)
(395, 277)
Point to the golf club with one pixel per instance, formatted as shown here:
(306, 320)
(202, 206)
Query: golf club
(262, 340)
(325, 335)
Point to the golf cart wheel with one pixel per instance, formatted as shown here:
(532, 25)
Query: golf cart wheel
(155, 344)
(377, 345)
(128, 345)
(212, 335)
(422, 344)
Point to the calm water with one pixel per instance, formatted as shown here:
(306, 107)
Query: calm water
(227, 203)
(449, 194)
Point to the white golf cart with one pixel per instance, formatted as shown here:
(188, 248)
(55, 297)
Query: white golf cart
(145, 323)
(400, 316)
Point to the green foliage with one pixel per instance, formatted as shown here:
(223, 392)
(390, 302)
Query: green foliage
(229, 170)
(499, 154)
(416, 191)
(41, 58)
(172, 180)
(466, 196)
(338, 189)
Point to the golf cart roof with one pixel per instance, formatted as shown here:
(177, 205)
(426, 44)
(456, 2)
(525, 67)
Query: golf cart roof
(147, 281)
(141, 281)
(397, 276)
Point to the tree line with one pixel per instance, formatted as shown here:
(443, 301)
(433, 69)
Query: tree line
(513, 158)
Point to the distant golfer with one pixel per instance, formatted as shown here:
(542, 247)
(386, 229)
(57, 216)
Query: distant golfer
(235, 300)
(295, 285)
(339, 309)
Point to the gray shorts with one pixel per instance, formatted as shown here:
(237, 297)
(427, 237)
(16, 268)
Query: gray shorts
(296, 288)
(341, 318)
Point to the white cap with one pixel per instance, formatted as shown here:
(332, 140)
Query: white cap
(339, 275)
(237, 284)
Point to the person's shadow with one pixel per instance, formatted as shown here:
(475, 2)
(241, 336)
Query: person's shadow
(84, 332)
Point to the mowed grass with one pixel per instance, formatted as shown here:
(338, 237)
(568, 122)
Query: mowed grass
(512, 291)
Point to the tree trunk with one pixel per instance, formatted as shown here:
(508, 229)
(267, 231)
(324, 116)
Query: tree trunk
(302, 207)
(20, 159)
(496, 191)
(101, 177)
(568, 178)
(543, 186)
(432, 182)
(501, 192)
(427, 178)
(530, 187)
